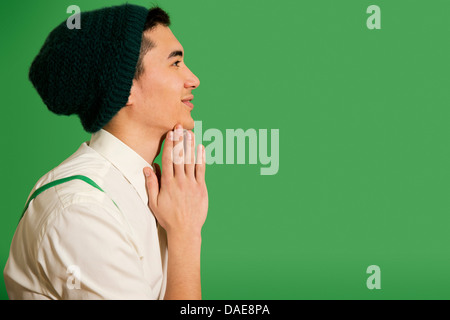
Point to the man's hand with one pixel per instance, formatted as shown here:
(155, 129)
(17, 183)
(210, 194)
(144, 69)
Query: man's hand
(180, 204)
(179, 201)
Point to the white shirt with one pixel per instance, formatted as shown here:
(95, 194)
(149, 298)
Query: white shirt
(74, 243)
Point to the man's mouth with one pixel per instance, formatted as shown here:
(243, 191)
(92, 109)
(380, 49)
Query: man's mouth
(188, 103)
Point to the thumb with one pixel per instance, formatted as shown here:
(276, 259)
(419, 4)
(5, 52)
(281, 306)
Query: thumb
(152, 186)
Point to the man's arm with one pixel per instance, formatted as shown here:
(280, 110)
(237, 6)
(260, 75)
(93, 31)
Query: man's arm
(180, 204)
(87, 252)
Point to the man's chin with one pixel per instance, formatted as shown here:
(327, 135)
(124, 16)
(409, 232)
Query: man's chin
(188, 124)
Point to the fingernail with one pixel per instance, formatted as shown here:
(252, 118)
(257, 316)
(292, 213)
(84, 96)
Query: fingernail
(147, 171)
(188, 135)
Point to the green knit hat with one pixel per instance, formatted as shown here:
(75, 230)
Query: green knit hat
(89, 71)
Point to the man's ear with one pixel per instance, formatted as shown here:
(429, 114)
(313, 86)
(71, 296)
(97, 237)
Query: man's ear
(133, 93)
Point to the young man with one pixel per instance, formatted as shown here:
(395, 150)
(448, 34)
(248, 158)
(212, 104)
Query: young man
(101, 226)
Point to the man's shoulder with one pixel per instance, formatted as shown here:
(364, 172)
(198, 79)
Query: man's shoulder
(88, 168)
(58, 193)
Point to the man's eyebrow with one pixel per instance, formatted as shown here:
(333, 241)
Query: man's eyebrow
(175, 54)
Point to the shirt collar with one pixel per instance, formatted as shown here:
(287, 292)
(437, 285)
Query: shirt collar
(125, 159)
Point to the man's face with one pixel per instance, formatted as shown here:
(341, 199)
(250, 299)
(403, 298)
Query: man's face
(165, 83)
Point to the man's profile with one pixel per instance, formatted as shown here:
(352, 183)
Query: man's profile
(108, 222)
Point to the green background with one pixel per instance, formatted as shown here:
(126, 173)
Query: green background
(363, 117)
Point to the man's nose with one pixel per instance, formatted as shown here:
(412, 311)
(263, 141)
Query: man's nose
(192, 81)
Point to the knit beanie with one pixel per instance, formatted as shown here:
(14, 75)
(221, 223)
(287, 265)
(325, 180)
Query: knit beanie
(89, 71)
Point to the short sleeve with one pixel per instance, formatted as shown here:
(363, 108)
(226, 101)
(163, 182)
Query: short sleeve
(87, 253)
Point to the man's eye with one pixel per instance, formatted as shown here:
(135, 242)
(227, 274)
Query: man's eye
(176, 63)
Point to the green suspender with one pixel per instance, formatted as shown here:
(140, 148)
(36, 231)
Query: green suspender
(59, 181)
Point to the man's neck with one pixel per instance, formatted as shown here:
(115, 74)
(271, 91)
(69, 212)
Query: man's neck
(147, 143)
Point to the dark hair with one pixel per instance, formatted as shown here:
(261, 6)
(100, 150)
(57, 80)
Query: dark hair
(155, 16)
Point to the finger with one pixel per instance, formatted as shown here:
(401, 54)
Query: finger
(158, 172)
(201, 164)
(189, 157)
(178, 152)
(166, 158)
(152, 187)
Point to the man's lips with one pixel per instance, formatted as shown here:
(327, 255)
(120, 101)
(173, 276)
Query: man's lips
(188, 102)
